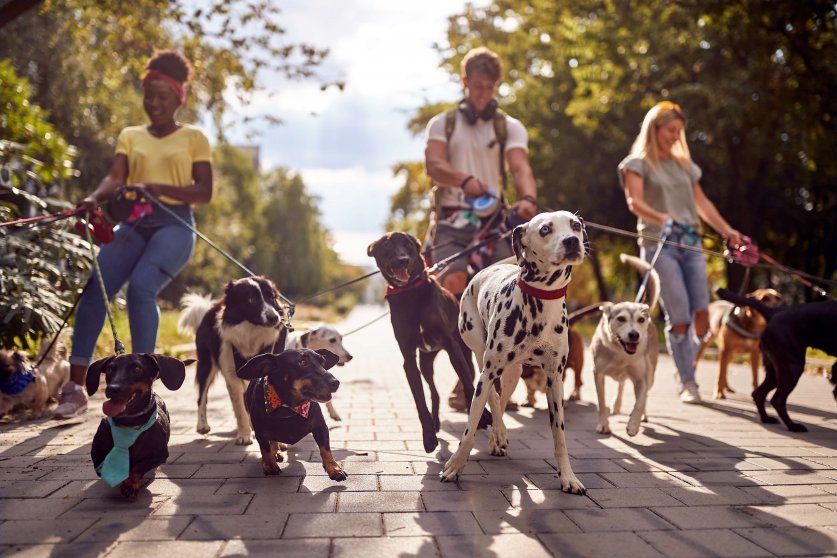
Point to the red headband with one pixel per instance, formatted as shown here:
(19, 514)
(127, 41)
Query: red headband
(173, 83)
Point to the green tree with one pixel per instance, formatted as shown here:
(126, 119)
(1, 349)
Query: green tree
(756, 78)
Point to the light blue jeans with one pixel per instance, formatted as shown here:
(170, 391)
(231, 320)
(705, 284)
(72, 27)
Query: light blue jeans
(147, 255)
(684, 290)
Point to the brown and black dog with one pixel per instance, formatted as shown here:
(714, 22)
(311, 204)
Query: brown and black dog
(137, 425)
(789, 332)
(282, 400)
(736, 330)
(424, 319)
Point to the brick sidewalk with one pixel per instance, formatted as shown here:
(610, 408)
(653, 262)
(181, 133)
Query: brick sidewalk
(697, 481)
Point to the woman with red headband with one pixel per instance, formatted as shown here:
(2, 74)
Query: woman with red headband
(171, 161)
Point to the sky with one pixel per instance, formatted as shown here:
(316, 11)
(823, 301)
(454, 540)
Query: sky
(344, 144)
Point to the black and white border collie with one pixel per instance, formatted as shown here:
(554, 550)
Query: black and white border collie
(246, 322)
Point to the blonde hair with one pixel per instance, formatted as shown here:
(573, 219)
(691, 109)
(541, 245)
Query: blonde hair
(645, 145)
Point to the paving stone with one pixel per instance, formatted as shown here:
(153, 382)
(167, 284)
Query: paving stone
(34, 508)
(714, 495)
(553, 481)
(807, 515)
(430, 523)
(418, 483)
(211, 504)
(279, 485)
(644, 480)
(302, 502)
(627, 519)
(793, 477)
(214, 527)
(420, 547)
(528, 521)
(709, 517)
(136, 528)
(547, 499)
(286, 548)
(793, 541)
(465, 546)
(791, 494)
(700, 543)
(60, 550)
(29, 489)
(32, 531)
(181, 549)
(465, 500)
(584, 545)
(379, 501)
(631, 497)
(354, 483)
(327, 525)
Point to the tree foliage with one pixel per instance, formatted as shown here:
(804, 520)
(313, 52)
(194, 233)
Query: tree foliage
(756, 79)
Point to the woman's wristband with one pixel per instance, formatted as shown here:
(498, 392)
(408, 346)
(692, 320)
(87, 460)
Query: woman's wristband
(464, 182)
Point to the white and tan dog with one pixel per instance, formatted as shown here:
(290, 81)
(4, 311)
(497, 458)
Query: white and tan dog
(25, 387)
(624, 346)
(322, 336)
(512, 315)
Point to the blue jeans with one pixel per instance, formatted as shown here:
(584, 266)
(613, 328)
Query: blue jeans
(147, 255)
(684, 290)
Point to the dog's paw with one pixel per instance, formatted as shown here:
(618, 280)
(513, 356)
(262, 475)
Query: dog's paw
(335, 417)
(769, 420)
(337, 473)
(569, 483)
(632, 428)
(129, 490)
(719, 395)
(603, 428)
(575, 395)
(452, 468)
(431, 442)
(498, 441)
(203, 429)
(242, 440)
(796, 427)
(269, 468)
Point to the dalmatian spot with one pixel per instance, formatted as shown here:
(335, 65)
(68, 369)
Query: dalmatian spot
(511, 356)
(537, 352)
(499, 346)
(559, 329)
(562, 425)
(521, 335)
(511, 322)
(536, 329)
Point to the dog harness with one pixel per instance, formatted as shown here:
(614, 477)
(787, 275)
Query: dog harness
(272, 401)
(116, 465)
(18, 382)
(729, 321)
(540, 293)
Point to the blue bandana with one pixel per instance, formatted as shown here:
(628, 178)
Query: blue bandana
(17, 383)
(116, 466)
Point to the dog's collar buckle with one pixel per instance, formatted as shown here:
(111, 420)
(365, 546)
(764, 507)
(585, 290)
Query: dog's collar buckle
(541, 293)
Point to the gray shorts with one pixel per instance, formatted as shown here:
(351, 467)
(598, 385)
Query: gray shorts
(449, 240)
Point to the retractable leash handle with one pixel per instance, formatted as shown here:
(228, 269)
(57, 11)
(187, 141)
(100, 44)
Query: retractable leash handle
(665, 232)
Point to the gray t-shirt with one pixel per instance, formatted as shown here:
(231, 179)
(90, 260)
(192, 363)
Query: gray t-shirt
(668, 188)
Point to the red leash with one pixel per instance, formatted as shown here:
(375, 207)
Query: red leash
(60, 215)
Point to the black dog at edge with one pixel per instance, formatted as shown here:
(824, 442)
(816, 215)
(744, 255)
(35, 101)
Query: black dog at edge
(133, 406)
(282, 400)
(789, 332)
(424, 319)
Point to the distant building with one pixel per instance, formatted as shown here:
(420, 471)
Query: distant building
(252, 151)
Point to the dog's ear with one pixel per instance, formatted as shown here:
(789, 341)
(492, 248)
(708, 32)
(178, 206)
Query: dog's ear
(330, 358)
(517, 241)
(94, 373)
(257, 367)
(416, 242)
(370, 250)
(304, 338)
(605, 308)
(172, 370)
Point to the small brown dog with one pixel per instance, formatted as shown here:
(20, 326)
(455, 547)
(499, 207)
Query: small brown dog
(22, 387)
(736, 330)
(535, 378)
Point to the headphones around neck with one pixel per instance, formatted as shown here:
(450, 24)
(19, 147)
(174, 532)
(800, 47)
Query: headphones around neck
(471, 115)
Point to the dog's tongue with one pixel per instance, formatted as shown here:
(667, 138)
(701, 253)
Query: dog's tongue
(631, 347)
(113, 407)
(401, 274)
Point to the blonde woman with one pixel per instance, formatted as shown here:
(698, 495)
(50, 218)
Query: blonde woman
(661, 182)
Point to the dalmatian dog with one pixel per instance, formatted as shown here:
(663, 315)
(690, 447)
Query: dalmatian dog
(511, 315)
(322, 336)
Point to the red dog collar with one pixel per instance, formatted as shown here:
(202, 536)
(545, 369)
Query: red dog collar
(273, 402)
(398, 290)
(540, 293)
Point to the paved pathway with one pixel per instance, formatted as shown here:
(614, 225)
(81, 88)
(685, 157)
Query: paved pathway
(697, 481)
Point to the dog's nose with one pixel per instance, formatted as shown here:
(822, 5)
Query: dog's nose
(571, 243)
(633, 336)
(349, 357)
(112, 390)
(333, 384)
(403, 260)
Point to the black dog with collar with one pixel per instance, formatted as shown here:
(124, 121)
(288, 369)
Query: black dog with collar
(282, 400)
(131, 403)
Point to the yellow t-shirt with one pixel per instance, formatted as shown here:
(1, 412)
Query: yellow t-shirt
(166, 160)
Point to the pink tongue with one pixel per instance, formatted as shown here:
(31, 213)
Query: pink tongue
(113, 407)
(401, 274)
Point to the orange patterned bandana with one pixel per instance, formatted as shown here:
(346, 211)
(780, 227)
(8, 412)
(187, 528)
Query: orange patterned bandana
(272, 402)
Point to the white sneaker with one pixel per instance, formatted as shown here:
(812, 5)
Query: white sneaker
(690, 393)
(73, 402)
